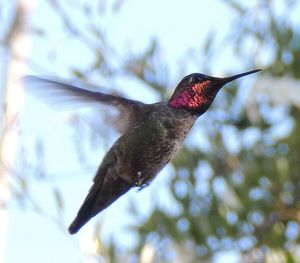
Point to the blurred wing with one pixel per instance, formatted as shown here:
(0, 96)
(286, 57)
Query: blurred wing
(59, 94)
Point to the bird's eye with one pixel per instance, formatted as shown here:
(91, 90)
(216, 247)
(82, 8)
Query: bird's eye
(194, 79)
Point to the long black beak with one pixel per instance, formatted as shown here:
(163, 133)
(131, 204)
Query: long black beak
(225, 80)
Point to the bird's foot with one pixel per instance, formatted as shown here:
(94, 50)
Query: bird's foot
(142, 186)
(140, 182)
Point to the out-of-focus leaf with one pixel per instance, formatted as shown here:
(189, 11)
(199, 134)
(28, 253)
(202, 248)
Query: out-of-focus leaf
(58, 200)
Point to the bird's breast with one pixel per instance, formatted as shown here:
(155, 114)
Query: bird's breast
(153, 142)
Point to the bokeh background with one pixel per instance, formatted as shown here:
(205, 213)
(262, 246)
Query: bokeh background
(232, 193)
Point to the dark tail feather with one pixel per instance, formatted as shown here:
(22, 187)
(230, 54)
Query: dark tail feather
(99, 198)
(84, 213)
(75, 226)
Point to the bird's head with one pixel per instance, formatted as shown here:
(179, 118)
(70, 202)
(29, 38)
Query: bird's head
(197, 91)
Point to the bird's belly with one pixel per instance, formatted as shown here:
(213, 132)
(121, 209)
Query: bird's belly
(151, 157)
(149, 147)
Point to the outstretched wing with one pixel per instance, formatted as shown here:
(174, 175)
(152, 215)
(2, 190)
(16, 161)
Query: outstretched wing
(59, 93)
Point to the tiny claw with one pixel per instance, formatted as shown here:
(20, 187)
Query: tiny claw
(140, 183)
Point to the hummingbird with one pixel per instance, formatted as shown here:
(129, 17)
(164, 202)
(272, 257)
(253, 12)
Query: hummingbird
(151, 134)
